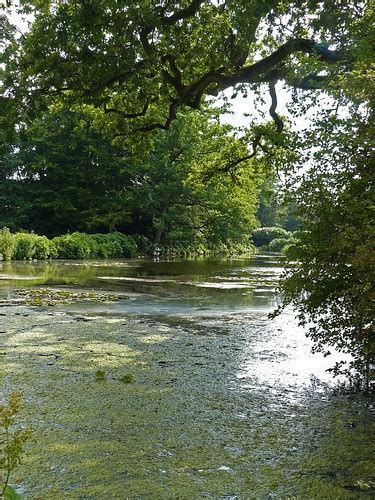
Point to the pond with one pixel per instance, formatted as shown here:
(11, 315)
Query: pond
(203, 395)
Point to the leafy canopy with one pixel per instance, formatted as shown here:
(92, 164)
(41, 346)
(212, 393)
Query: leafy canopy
(138, 64)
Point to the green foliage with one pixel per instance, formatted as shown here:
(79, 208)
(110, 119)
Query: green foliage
(100, 376)
(75, 246)
(7, 244)
(24, 248)
(127, 378)
(279, 244)
(33, 246)
(114, 245)
(63, 176)
(332, 286)
(11, 443)
(10, 493)
(44, 248)
(88, 246)
(180, 196)
(265, 235)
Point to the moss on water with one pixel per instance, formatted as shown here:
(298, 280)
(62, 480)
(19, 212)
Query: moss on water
(185, 427)
(53, 296)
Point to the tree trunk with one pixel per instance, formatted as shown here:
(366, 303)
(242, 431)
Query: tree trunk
(158, 234)
(160, 228)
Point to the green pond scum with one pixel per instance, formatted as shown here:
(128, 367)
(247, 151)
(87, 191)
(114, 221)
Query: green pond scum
(52, 297)
(170, 406)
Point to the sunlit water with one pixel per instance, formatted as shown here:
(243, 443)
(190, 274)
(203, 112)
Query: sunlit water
(253, 412)
(233, 294)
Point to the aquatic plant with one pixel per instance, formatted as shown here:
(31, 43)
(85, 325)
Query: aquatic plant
(127, 378)
(53, 297)
(100, 375)
(11, 443)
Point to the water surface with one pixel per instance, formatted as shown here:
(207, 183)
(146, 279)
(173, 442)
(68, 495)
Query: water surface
(225, 402)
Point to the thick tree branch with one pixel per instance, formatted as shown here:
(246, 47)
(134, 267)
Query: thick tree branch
(174, 78)
(188, 11)
(250, 74)
(231, 165)
(276, 118)
(143, 37)
(127, 115)
(173, 108)
(266, 70)
(125, 75)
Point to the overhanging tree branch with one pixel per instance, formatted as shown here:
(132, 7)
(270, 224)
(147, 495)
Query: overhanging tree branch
(188, 11)
(276, 118)
(229, 168)
(251, 74)
(173, 108)
(127, 115)
(215, 81)
(163, 20)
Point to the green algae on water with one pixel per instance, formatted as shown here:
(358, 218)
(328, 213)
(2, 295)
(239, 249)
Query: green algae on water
(54, 296)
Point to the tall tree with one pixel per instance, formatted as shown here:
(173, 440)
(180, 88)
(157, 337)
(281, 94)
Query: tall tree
(176, 198)
(70, 177)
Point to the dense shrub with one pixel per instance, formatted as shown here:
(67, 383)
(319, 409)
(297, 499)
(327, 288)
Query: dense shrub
(32, 246)
(127, 243)
(103, 246)
(75, 246)
(114, 245)
(44, 248)
(86, 246)
(264, 235)
(24, 248)
(7, 244)
(278, 244)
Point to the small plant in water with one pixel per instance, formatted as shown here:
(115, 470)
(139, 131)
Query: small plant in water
(127, 378)
(100, 375)
(11, 444)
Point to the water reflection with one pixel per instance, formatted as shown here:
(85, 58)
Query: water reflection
(185, 286)
(234, 294)
(278, 356)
